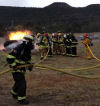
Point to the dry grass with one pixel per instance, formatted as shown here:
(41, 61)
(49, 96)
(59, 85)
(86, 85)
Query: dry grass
(50, 88)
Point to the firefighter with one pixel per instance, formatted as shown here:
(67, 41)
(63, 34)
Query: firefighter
(68, 43)
(55, 43)
(38, 38)
(49, 37)
(61, 44)
(73, 45)
(38, 35)
(43, 45)
(86, 42)
(20, 55)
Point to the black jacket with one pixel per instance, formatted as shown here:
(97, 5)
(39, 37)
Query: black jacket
(23, 51)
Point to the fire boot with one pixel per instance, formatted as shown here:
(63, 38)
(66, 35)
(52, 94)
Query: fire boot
(14, 96)
(23, 102)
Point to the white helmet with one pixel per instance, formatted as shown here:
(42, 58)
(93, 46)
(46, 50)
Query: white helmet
(28, 37)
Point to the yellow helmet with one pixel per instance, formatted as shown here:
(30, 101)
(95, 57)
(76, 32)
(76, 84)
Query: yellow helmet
(28, 37)
(38, 34)
(59, 34)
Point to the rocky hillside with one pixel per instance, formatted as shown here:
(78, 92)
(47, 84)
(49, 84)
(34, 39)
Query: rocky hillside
(54, 15)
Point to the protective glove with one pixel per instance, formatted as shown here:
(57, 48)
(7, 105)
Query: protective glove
(13, 67)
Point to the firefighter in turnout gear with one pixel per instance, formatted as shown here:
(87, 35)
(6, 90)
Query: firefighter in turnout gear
(20, 55)
(49, 37)
(38, 38)
(61, 44)
(43, 45)
(73, 45)
(68, 43)
(38, 35)
(55, 43)
(86, 42)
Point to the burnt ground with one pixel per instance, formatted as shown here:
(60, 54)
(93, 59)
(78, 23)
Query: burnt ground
(52, 88)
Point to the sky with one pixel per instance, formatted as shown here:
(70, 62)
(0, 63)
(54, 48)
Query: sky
(43, 3)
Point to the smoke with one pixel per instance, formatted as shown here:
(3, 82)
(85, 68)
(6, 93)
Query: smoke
(36, 47)
(2, 47)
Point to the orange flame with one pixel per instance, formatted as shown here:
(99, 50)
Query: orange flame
(19, 35)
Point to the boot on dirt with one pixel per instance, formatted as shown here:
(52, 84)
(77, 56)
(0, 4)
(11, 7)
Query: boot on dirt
(23, 102)
(14, 96)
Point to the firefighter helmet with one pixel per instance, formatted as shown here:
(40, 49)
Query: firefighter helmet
(85, 35)
(59, 34)
(29, 37)
(46, 34)
(38, 34)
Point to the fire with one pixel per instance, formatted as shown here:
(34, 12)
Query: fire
(18, 35)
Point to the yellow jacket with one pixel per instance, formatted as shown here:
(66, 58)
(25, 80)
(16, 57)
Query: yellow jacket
(86, 41)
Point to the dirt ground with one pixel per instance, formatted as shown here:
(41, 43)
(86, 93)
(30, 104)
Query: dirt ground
(53, 88)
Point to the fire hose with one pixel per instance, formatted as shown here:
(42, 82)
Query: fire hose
(37, 65)
(27, 65)
(93, 54)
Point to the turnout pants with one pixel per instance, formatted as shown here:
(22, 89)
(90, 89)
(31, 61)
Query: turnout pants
(50, 51)
(20, 84)
(74, 51)
(68, 51)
